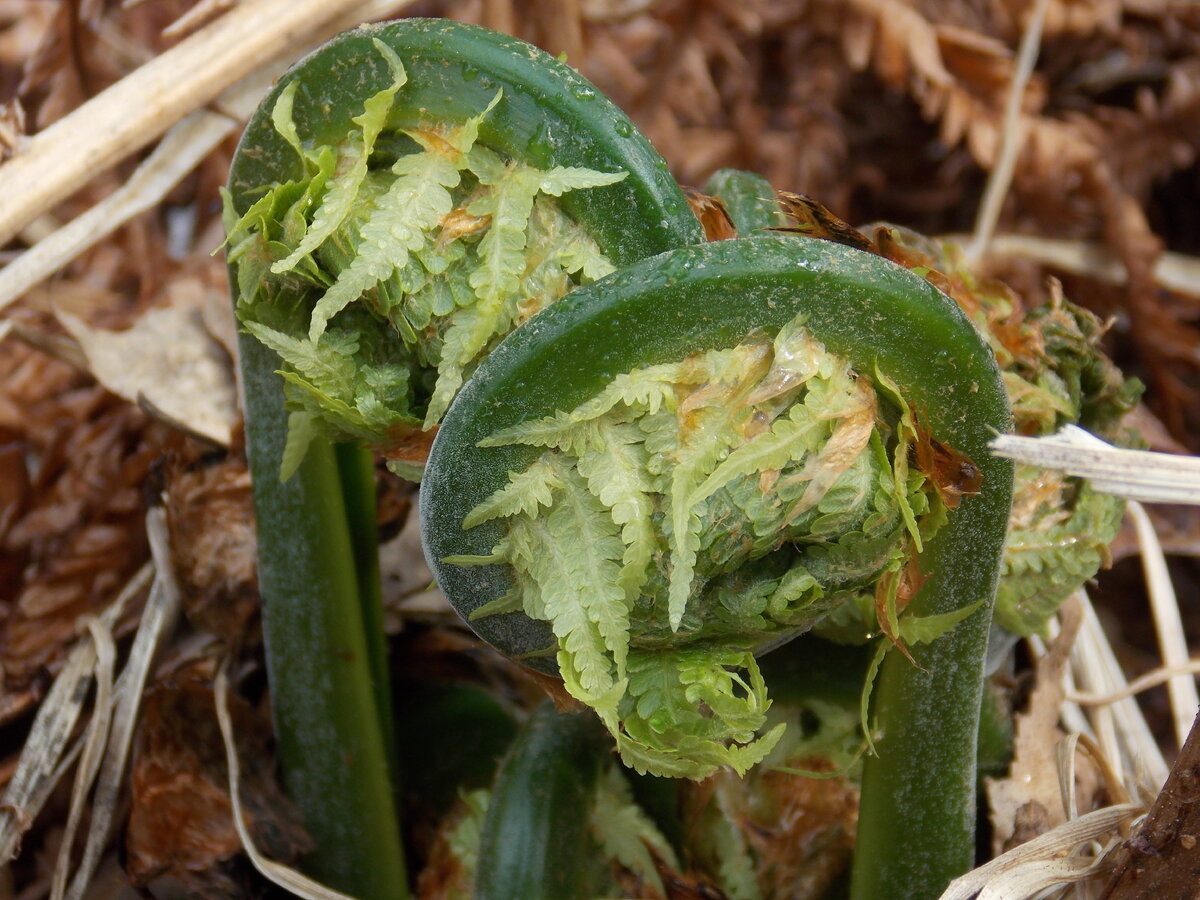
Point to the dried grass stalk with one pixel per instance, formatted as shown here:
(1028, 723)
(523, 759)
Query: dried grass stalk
(57, 161)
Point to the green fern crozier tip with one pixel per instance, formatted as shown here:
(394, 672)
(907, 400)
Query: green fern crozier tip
(680, 701)
(380, 282)
(385, 260)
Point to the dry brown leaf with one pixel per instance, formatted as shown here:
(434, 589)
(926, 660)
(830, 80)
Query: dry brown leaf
(1028, 802)
(804, 836)
(211, 518)
(77, 535)
(901, 43)
(813, 219)
(181, 834)
(169, 361)
(712, 215)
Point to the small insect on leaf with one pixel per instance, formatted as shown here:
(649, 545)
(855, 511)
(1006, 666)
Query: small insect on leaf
(952, 474)
(810, 218)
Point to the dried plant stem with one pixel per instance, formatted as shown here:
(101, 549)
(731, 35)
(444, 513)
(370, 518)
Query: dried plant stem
(1045, 861)
(1133, 474)
(92, 751)
(1012, 137)
(185, 145)
(157, 624)
(1160, 860)
(1168, 623)
(137, 109)
(1151, 679)
(1120, 726)
(44, 757)
(1171, 270)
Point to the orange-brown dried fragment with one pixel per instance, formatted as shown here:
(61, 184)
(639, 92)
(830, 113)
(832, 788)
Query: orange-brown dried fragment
(802, 830)
(181, 831)
(459, 223)
(444, 877)
(710, 212)
(210, 514)
(952, 474)
(407, 444)
(812, 219)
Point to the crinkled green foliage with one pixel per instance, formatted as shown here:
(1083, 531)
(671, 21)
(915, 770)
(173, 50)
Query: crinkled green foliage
(1061, 544)
(462, 842)
(690, 513)
(381, 280)
(626, 834)
(723, 846)
(1060, 528)
(1056, 373)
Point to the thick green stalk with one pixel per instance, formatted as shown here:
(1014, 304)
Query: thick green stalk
(356, 467)
(916, 827)
(319, 660)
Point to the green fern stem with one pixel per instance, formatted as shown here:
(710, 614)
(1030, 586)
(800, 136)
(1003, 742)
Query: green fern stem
(328, 701)
(534, 841)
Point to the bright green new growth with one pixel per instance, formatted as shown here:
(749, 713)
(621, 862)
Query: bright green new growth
(440, 240)
(1055, 372)
(689, 515)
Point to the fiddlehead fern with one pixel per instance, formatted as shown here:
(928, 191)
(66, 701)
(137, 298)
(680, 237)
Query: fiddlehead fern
(342, 138)
(888, 324)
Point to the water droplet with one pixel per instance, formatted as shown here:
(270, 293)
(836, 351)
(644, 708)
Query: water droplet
(582, 92)
(541, 144)
(469, 72)
(624, 128)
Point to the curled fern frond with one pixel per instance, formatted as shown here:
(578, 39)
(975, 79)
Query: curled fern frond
(755, 461)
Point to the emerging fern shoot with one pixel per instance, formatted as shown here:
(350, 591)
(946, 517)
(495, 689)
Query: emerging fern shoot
(383, 274)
